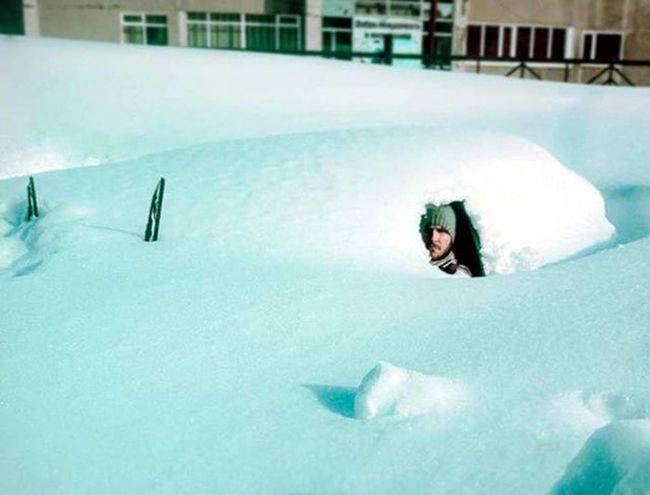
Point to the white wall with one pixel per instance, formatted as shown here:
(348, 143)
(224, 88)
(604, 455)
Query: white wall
(30, 17)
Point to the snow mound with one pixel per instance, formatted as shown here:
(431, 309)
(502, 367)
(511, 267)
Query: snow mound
(356, 196)
(350, 198)
(589, 410)
(614, 460)
(528, 208)
(388, 390)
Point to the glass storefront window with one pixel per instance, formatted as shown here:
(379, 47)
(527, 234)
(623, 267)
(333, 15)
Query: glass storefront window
(144, 29)
(260, 37)
(225, 36)
(251, 31)
(133, 34)
(260, 18)
(156, 35)
(196, 16)
(197, 35)
(288, 38)
(225, 17)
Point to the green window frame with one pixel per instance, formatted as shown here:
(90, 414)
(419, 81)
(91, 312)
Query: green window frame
(262, 32)
(144, 28)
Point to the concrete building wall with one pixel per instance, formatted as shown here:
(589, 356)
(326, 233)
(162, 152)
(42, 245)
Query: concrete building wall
(31, 18)
(314, 24)
(558, 12)
(591, 14)
(99, 20)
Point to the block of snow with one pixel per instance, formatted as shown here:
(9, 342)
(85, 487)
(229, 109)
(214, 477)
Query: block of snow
(355, 197)
(388, 390)
(528, 208)
(614, 460)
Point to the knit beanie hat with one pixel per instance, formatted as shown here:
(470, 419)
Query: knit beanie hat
(445, 219)
(442, 217)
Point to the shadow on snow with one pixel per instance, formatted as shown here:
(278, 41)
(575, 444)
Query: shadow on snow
(339, 400)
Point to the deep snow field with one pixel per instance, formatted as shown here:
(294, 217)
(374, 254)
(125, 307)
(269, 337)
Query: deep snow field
(286, 334)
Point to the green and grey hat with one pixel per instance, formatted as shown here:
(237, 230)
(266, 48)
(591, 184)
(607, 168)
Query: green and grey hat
(437, 217)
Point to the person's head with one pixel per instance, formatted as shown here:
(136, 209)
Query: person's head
(438, 230)
(440, 244)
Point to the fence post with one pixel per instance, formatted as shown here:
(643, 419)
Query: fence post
(153, 221)
(388, 49)
(431, 45)
(610, 75)
(566, 72)
(32, 204)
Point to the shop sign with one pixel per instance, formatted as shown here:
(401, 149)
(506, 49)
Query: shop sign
(368, 34)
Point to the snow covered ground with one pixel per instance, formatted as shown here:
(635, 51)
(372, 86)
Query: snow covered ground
(226, 357)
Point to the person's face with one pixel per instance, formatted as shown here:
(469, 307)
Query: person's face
(440, 244)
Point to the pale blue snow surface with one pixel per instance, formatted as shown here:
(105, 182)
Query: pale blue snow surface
(615, 459)
(225, 358)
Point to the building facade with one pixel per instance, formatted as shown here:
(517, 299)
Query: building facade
(336, 26)
(594, 30)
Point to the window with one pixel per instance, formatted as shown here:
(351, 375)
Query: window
(602, 47)
(558, 44)
(540, 46)
(506, 41)
(260, 32)
(370, 7)
(337, 35)
(213, 30)
(414, 9)
(144, 29)
(491, 48)
(235, 30)
(523, 42)
(474, 34)
(405, 8)
(288, 30)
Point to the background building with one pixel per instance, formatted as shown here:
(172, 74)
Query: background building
(285, 25)
(596, 30)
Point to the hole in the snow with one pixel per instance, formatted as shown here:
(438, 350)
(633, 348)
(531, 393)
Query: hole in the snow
(450, 238)
(628, 208)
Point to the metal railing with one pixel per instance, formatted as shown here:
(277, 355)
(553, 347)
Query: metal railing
(607, 70)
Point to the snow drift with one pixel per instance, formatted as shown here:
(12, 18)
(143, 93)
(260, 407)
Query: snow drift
(222, 99)
(177, 366)
(614, 461)
(356, 197)
(388, 390)
(353, 198)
